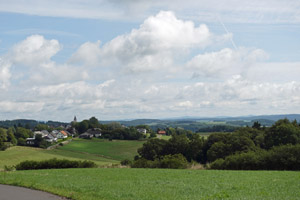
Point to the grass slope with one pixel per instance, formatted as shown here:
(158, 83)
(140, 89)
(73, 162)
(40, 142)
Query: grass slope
(116, 149)
(102, 152)
(17, 154)
(149, 184)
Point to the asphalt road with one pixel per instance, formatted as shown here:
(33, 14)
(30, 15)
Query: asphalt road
(8, 192)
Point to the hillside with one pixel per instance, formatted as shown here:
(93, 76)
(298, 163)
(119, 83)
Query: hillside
(102, 152)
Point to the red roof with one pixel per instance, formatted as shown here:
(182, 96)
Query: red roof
(64, 133)
(161, 132)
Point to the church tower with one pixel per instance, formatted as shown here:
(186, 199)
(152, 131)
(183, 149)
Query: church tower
(75, 119)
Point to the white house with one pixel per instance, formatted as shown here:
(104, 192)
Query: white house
(62, 135)
(142, 130)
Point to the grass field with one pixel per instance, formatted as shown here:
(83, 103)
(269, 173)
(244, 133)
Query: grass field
(17, 154)
(116, 149)
(102, 152)
(149, 184)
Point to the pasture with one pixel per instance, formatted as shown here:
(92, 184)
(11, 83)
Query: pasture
(149, 184)
(17, 154)
(116, 149)
(102, 152)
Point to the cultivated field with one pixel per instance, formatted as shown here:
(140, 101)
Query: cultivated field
(149, 184)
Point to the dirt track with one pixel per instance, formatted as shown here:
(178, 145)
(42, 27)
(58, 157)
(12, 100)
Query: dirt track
(8, 192)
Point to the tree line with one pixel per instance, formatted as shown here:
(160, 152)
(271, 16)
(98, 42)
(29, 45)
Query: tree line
(113, 130)
(275, 147)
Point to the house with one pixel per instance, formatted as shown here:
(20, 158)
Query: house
(142, 130)
(72, 131)
(54, 133)
(30, 141)
(96, 132)
(161, 132)
(48, 138)
(43, 133)
(51, 137)
(86, 135)
(62, 135)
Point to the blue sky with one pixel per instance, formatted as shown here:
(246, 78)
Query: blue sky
(148, 59)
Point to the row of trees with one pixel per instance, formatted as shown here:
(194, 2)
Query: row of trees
(245, 141)
(14, 136)
(17, 135)
(112, 130)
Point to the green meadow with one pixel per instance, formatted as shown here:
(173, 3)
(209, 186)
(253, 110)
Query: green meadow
(167, 184)
(17, 154)
(102, 152)
(116, 149)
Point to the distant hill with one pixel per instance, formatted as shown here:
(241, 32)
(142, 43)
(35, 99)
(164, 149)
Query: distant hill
(29, 123)
(195, 124)
(188, 123)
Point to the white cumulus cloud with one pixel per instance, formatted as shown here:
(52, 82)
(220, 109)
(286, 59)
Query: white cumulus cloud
(35, 51)
(152, 46)
(226, 62)
(5, 74)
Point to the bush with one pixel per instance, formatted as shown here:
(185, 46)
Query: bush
(8, 168)
(126, 162)
(144, 163)
(285, 157)
(177, 161)
(54, 164)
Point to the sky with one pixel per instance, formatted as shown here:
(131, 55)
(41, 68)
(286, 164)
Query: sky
(130, 59)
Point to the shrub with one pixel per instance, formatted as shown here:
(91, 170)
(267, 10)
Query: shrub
(285, 157)
(177, 161)
(126, 162)
(54, 164)
(8, 168)
(144, 163)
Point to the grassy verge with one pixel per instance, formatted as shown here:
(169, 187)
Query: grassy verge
(149, 184)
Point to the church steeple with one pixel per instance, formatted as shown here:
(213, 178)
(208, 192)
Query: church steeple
(75, 119)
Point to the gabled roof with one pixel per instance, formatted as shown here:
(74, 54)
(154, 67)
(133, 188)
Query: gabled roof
(64, 133)
(161, 132)
(94, 131)
(45, 132)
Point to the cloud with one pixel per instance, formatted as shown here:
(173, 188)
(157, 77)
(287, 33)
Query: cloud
(5, 74)
(150, 47)
(34, 51)
(158, 59)
(21, 107)
(226, 62)
(80, 90)
(87, 54)
(255, 11)
(32, 57)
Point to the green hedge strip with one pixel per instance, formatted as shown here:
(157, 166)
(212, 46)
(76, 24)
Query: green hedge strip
(54, 164)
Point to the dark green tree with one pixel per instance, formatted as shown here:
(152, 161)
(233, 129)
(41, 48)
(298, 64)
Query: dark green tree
(94, 122)
(83, 126)
(281, 133)
(152, 149)
(11, 137)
